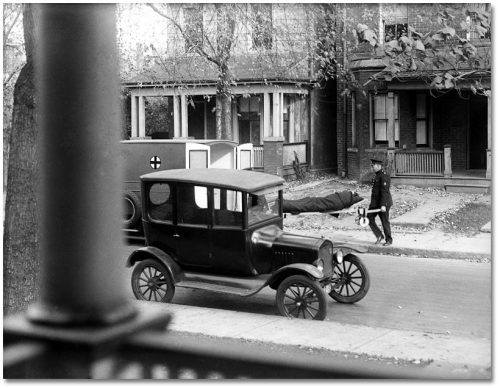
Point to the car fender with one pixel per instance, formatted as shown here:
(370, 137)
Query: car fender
(350, 247)
(152, 252)
(294, 269)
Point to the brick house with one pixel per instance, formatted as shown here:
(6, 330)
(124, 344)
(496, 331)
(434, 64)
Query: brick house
(426, 138)
(273, 98)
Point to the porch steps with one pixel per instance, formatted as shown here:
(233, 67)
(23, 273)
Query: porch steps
(467, 188)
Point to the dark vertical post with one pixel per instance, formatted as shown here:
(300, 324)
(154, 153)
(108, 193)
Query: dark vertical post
(77, 82)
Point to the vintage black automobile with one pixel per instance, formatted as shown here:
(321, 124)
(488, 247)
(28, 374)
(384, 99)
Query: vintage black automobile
(221, 230)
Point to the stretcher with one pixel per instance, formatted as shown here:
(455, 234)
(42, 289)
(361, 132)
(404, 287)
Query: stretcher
(360, 211)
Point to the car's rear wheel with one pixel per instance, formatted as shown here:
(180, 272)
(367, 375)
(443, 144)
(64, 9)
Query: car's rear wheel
(350, 281)
(151, 281)
(300, 297)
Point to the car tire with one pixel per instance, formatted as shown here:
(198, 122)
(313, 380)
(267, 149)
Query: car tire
(351, 280)
(151, 281)
(298, 296)
(132, 210)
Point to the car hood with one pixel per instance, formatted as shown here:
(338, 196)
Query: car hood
(273, 237)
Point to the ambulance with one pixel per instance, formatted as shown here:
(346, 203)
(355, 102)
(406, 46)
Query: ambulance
(143, 156)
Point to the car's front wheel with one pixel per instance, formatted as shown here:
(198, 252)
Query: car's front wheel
(151, 281)
(350, 280)
(301, 297)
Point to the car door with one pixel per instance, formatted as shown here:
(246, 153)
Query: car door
(193, 222)
(228, 237)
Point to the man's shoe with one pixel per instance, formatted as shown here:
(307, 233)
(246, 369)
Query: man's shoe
(379, 239)
(386, 244)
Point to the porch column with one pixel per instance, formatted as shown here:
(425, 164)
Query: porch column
(184, 117)
(390, 120)
(142, 117)
(277, 121)
(267, 115)
(291, 119)
(488, 151)
(177, 118)
(81, 280)
(236, 127)
(133, 117)
(447, 161)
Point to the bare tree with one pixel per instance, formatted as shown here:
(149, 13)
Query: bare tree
(20, 257)
(13, 61)
(216, 49)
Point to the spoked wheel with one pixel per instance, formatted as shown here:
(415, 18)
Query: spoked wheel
(300, 297)
(151, 281)
(350, 280)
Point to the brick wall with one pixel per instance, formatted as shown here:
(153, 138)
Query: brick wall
(273, 155)
(451, 127)
(324, 129)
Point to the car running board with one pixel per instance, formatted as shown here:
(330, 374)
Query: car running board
(242, 286)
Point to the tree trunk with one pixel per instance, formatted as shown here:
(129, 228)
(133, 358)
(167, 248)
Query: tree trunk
(20, 258)
(223, 116)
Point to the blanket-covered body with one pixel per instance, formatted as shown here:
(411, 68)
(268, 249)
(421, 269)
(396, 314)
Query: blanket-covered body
(332, 202)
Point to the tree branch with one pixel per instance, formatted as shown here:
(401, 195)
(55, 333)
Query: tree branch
(7, 33)
(184, 35)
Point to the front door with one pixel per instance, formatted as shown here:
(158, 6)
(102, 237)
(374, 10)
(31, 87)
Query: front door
(478, 132)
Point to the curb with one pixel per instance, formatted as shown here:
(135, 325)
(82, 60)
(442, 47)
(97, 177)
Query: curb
(420, 252)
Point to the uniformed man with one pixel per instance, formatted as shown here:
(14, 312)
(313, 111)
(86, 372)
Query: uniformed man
(381, 199)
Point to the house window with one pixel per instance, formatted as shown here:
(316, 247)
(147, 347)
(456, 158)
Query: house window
(395, 28)
(262, 28)
(421, 119)
(193, 22)
(249, 119)
(381, 118)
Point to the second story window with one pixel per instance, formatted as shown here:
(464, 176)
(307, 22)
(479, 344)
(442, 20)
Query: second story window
(395, 29)
(193, 25)
(262, 29)
(395, 22)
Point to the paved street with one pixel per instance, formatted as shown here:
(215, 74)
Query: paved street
(428, 295)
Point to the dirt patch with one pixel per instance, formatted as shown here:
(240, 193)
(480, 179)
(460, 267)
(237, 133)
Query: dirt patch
(467, 219)
(464, 218)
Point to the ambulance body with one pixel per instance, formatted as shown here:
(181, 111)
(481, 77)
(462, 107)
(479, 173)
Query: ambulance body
(140, 157)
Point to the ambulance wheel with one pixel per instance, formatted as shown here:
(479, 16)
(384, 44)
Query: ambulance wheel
(131, 210)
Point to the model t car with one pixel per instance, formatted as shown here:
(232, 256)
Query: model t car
(221, 230)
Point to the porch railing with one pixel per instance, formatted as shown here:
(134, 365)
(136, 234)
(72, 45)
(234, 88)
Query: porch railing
(258, 156)
(289, 150)
(429, 163)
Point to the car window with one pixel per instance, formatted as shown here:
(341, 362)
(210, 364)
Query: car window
(262, 206)
(160, 202)
(192, 204)
(228, 209)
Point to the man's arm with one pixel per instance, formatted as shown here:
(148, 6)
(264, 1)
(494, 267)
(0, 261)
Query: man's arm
(385, 194)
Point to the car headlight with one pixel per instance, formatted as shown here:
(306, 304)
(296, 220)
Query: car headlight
(339, 256)
(320, 264)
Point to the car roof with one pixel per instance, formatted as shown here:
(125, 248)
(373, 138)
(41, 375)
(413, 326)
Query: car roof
(244, 180)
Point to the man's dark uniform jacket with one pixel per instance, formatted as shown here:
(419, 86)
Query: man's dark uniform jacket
(381, 195)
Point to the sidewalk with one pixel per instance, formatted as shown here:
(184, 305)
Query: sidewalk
(455, 357)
